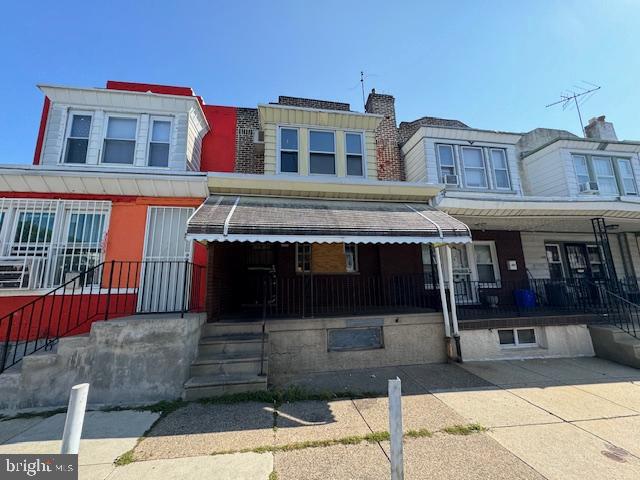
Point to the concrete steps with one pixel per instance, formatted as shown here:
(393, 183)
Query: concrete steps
(614, 344)
(228, 361)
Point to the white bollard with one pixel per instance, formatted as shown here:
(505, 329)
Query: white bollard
(75, 419)
(395, 429)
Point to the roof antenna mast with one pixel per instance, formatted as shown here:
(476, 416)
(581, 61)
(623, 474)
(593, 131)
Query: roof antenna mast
(364, 105)
(577, 98)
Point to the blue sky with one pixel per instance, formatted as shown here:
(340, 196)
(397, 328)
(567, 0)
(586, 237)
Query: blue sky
(493, 65)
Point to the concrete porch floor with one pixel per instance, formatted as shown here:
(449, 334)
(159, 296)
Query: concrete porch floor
(553, 419)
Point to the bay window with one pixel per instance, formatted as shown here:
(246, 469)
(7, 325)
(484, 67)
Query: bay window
(322, 152)
(605, 176)
(626, 177)
(77, 138)
(120, 140)
(613, 176)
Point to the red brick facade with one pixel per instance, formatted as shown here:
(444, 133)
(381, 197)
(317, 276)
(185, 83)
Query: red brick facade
(390, 162)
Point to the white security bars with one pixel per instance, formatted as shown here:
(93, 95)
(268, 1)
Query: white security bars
(44, 242)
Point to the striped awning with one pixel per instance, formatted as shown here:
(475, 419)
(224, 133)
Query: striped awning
(229, 218)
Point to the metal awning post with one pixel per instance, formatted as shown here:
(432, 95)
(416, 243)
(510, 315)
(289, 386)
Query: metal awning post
(452, 299)
(443, 294)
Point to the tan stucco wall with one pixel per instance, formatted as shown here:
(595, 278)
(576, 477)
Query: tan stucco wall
(300, 345)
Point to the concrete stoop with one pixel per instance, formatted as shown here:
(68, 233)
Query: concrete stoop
(612, 343)
(228, 361)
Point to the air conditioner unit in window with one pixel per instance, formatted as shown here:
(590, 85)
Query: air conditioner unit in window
(450, 179)
(589, 187)
(258, 136)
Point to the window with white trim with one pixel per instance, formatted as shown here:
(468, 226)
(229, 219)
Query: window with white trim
(289, 155)
(627, 178)
(78, 130)
(486, 262)
(500, 168)
(475, 174)
(159, 142)
(120, 140)
(355, 154)
(554, 260)
(595, 262)
(605, 175)
(446, 161)
(303, 257)
(517, 337)
(351, 257)
(322, 152)
(614, 176)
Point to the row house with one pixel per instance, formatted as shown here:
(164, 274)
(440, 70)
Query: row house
(553, 217)
(312, 237)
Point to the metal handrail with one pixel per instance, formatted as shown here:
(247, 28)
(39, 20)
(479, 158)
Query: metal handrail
(114, 288)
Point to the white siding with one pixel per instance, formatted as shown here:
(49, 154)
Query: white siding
(54, 136)
(415, 162)
(546, 174)
(535, 256)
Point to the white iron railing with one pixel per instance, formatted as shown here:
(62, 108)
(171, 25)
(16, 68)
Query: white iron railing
(44, 241)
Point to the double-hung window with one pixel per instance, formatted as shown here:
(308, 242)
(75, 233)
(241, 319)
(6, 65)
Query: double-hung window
(351, 257)
(474, 169)
(626, 177)
(355, 156)
(500, 168)
(447, 161)
(582, 169)
(486, 262)
(554, 260)
(78, 138)
(303, 257)
(159, 142)
(289, 150)
(605, 175)
(120, 140)
(322, 152)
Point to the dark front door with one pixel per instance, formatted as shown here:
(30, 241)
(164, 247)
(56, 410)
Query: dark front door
(577, 260)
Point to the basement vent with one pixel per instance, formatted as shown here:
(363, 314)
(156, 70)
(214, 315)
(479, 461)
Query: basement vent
(245, 132)
(345, 339)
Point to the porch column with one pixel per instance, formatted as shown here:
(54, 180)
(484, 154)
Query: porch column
(452, 297)
(443, 294)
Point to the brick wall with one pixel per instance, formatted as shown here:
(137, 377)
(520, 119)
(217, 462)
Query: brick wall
(312, 103)
(390, 162)
(248, 159)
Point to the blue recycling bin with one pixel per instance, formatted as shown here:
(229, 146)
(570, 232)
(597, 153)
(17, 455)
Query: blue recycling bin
(525, 298)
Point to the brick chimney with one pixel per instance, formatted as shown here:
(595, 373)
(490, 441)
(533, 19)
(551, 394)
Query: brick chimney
(599, 129)
(390, 163)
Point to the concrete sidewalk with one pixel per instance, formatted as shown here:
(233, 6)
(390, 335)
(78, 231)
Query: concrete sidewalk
(547, 419)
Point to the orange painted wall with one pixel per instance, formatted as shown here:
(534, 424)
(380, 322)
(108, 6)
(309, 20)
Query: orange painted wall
(125, 237)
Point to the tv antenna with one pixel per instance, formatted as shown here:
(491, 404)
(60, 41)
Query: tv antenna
(576, 97)
(362, 85)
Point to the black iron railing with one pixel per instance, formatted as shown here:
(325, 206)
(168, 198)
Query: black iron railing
(620, 311)
(334, 295)
(105, 291)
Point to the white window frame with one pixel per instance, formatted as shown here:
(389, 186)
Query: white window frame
(279, 149)
(298, 253)
(347, 154)
(356, 263)
(334, 153)
(153, 119)
(608, 177)
(67, 136)
(130, 116)
(494, 259)
(453, 157)
(631, 177)
(505, 169)
(574, 158)
(516, 340)
(559, 262)
(465, 168)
